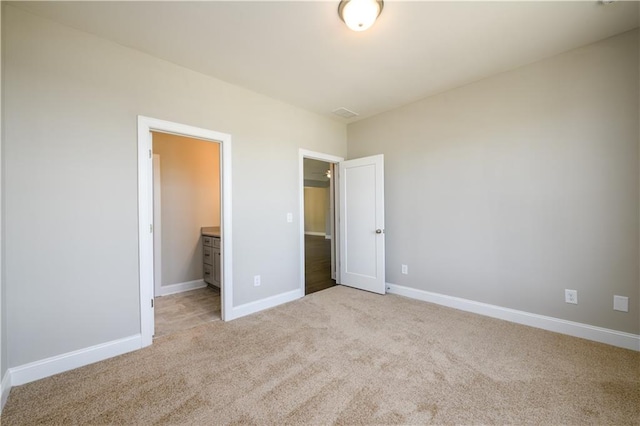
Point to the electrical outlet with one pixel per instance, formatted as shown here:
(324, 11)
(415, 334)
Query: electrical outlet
(621, 303)
(571, 296)
(289, 217)
(405, 269)
(256, 280)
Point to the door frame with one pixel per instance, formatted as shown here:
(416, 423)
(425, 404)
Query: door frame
(157, 227)
(302, 154)
(145, 215)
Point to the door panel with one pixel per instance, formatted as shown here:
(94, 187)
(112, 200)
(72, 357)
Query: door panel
(362, 223)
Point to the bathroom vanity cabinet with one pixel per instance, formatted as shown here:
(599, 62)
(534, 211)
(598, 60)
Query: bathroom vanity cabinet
(211, 255)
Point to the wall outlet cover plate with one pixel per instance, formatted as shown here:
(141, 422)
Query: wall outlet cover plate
(571, 296)
(621, 303)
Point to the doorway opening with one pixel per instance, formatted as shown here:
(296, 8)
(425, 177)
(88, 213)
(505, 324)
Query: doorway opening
(319, 246)
(319, 222)
(186, 218)
(358, 234)
(146, 224)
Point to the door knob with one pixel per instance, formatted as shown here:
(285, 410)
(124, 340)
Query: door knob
(378, 231)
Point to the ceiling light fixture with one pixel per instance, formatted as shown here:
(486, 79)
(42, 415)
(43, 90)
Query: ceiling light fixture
(360, 15)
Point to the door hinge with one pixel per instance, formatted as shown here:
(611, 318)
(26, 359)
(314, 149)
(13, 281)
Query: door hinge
(149, 153)
(151, 228)
(152, 303)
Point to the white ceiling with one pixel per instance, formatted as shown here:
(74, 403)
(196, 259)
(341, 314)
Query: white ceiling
(303, 54)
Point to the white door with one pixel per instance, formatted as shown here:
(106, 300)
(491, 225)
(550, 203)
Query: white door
(361, 183)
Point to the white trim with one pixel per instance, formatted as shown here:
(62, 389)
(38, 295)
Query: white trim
(576, 329)
(269, 302)
(145, 238)
(166, 290)
(5, 389)
(335, 242)
(60, 363)
(316, 234)
(157, 227)
(6, 386)
(302, 154)
(145, 208)
(226, 247)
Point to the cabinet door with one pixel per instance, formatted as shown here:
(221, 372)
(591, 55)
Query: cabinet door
(207, 254)
(216, 267)
(208, 274)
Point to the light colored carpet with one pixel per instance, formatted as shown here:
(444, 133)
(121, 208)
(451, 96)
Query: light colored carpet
(181, 311)
(344, 356)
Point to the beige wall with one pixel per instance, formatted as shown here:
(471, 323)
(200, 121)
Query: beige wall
(316, 204)
(71, 102)
(513, 188)
(190, 194)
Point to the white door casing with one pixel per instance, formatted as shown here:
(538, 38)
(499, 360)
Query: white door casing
(335, 237)
(362, 239)
(157, 226)
(145, 216)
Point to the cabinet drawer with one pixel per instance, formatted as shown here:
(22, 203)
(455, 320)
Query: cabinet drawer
(207, 241)
(207, 254)
(208, 274)
(216, 242)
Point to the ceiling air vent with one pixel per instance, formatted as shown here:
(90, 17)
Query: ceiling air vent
(345, 113)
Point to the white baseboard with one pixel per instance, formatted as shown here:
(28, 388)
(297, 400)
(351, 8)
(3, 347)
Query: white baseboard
(5, 388)
(317, 234)
(166, 290)
(576, 329)
(260, 305)
(57, 364)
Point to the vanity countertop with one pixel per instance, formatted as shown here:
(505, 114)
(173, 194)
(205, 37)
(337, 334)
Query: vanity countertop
(210, 231)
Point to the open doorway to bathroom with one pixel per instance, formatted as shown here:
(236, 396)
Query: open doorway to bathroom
(318, 225)
(186, 217)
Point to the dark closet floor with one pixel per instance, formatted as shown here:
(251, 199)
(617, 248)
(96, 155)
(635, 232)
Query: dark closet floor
(317, 264)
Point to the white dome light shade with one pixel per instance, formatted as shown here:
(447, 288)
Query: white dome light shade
(359, 15)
